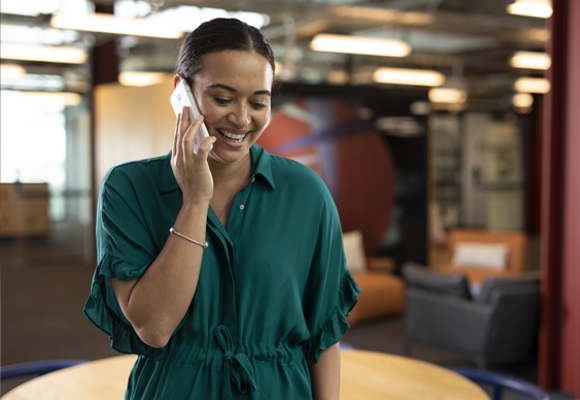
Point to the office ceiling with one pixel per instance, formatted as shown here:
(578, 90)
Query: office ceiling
(471, 42)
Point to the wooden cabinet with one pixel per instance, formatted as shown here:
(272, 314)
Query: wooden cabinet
(24, 210)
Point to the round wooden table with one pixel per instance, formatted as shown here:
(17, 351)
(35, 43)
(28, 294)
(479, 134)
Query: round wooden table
(365, 375)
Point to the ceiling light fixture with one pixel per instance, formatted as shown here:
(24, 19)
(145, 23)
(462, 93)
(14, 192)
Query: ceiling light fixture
(360, 45)
(56, 54)
(416, 77)
(522, 100)
(532, 85)
(531, 8)
(11, 70)
(141, 78)
(107, 23)
(447, 95)
(383, 14)
(532, 60)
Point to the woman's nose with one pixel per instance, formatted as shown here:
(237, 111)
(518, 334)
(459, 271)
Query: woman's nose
(240, 116)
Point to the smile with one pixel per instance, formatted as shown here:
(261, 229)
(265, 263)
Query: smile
(232, 137)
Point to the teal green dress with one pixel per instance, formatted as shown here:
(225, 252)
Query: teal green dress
(273, 289)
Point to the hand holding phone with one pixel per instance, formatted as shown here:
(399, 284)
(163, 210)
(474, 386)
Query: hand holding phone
(182, 96)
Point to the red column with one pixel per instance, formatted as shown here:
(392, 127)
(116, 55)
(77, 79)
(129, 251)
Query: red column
(570, 335)
(559, 365)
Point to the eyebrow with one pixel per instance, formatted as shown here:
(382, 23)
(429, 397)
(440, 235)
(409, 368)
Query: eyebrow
(231, 89)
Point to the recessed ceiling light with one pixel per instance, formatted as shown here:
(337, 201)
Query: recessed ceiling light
(360, 45)
(400, 76)
(447, 95)
(532, 85)
(531, 8)
(141, 78)
(107, 23)
(530, 59)
(522, 100)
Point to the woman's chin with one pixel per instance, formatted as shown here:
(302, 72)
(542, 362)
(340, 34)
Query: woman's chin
(228, 156)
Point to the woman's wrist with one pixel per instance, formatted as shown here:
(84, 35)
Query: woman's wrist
(195, 206)
(191, 220)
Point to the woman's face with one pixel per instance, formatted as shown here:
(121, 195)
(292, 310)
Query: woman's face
(233, 92)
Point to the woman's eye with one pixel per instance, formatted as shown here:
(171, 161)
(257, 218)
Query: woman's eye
(258, 105)
(221, 101)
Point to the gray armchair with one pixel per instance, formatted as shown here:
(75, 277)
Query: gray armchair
(500, 325)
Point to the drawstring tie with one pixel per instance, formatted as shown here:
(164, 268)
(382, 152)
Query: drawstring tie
(237, 366)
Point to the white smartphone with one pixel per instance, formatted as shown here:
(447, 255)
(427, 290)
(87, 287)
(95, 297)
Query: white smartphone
(182, 96)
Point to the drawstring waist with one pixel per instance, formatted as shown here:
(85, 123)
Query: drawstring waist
(237, 366)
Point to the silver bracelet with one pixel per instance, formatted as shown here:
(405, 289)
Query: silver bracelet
(174, 232)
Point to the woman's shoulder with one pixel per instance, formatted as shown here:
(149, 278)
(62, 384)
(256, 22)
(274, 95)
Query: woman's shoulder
(295, 173)
(286, 168)
(135, 174)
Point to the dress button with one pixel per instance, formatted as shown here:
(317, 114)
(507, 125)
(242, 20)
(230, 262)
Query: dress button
(241, 207)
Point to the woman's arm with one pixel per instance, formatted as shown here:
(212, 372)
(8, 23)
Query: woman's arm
(156, 302)
(325, 374)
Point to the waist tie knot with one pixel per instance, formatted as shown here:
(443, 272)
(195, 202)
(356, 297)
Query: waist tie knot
(237, 366)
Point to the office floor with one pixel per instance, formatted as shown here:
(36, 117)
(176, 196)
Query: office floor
(42, 319)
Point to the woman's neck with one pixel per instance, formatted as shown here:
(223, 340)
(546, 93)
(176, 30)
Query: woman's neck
(225, 173)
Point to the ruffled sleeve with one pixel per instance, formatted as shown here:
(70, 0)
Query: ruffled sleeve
(124, 251)
(333, 329)
(331, 291)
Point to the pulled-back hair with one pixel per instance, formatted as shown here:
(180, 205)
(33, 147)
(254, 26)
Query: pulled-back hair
(217, 35)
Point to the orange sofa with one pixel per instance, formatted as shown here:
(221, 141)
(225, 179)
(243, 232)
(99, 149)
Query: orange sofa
(382, 293)
(515, 263)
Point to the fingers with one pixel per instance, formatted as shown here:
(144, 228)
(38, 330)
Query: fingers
(174, 145)
(206, 146)
(181, 126)
(190, 135)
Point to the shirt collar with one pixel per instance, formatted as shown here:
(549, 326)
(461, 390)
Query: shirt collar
(263, 162)
(260, 158)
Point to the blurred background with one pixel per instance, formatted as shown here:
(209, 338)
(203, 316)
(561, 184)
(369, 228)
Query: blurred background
(422, 117)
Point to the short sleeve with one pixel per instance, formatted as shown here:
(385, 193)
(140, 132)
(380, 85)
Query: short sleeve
(331, 291)
(124, 251)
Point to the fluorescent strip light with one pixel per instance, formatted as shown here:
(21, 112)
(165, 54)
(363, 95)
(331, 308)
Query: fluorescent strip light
(70, 99)
(532, 85)
(447, 95)
(531, 8)
(529, 59)
(110, 24)
(57, 54)
(11, 70)
(522, 100)
(141, 78)
(383, 15)
(360, 45)
(416, 77)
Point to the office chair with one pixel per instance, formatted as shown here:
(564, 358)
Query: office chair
(500, 382)
(36, 368)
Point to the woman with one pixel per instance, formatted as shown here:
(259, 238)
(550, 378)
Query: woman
(246, 298)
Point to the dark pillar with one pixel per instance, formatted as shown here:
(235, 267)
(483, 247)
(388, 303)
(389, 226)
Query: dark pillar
(559, 365)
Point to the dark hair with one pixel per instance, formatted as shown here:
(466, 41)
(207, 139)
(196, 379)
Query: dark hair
(217, 35)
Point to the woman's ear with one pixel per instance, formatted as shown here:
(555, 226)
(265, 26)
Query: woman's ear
(176, 79)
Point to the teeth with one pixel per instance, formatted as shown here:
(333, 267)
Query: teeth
(234, 137)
